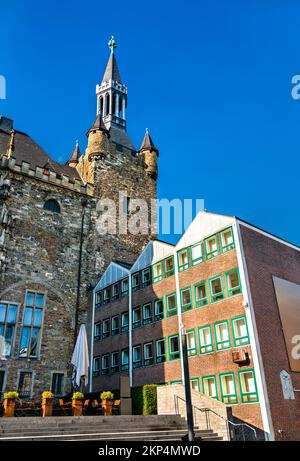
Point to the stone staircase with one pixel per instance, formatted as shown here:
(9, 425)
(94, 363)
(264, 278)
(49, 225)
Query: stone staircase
(99, 428)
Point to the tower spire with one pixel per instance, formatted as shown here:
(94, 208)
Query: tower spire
(112, 93)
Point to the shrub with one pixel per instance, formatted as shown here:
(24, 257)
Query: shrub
(150, 399)
(106, 395)
(11, 395)
(47, 395)
(78, 395)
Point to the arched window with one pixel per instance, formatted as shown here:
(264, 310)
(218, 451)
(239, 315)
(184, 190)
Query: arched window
(52, 205)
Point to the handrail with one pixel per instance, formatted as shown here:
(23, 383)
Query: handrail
(217, 414)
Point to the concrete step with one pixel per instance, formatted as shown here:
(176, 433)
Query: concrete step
(124, 436)
(83, 429)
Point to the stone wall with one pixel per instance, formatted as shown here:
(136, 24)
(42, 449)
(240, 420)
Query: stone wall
(169, 404)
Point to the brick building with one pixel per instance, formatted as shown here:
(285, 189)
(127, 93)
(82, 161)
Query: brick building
(228, 283)
(51, 253)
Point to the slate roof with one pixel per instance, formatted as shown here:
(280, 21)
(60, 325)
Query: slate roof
(147, 143)
(112, 70)
(75, 154)
(121, 138)
(27, 150)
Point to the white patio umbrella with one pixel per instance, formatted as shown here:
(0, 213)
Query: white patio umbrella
(80, 358)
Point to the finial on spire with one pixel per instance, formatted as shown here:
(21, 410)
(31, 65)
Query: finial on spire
(112, 44)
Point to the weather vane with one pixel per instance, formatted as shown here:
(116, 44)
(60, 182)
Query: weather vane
(112, 44)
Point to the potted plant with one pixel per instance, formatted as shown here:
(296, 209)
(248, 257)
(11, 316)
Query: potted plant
(107, 402)
(47, 403)
(9, 403)
(77, 403)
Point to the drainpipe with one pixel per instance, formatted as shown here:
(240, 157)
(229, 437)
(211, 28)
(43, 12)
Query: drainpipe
(130, 329)
(92, 341)
(83, 204)
(179, 314)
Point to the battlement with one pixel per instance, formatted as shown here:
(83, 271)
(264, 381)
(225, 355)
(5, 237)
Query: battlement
(46, 175)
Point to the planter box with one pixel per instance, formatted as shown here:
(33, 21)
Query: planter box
(77, 407)
(9, 407)
(47, 406)
(107, 406)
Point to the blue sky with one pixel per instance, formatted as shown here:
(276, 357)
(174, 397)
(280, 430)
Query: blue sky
(211, 81)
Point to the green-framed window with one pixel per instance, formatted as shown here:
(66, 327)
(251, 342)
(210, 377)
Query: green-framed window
(233, 282)
(196, 254)
(211, 246)
(171, 304)
(148, 354)
(147, 313)
(124, 287)
(159, 309)
(136, 317)
(124, 321)
(228, 388)
(205, 340)
(137, 356)
(146, 277)
(157, 273)
(216, 288)
(177, 381)
(136, 281)
(222, 335)
(209, 386)
(97, 331)
(186, 299)
(160, 350)
(248, 387)
(98, 299)
(174, 347)
(169, 266)
(191, 342)
(227, 240)
(200, 294)
(195, 385)
(240, 331)
(183, 259)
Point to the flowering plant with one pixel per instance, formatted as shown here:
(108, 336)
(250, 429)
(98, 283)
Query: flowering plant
(78, 395)
(11, 395)
(106, 395)
(47, 395)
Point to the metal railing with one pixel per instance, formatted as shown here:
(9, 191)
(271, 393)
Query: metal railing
(230, 425)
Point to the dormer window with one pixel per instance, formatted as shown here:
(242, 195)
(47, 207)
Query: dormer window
(52, 205)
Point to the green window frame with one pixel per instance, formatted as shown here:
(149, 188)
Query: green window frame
(205, 348)
(173, 311)
(240, 339)
(196, 259)
(225, 246)
(169, 271)
(186, 306)
(174, 355)
(247, 395)
(233, 290)
(210, 378)
(160, 358)
(229, 398)
(157, 277)
(196, 381)
(202, 301)
(192, 350)
(185, 265)
(147, 313)
(209, 252)
(159, 315)
(219, 295)
(177, 381)
(222, 344)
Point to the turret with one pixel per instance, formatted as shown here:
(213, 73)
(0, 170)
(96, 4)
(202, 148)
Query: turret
(149, 153)
(75, 156)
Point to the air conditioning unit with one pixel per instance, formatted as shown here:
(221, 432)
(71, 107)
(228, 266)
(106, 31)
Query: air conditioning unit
(239, 356)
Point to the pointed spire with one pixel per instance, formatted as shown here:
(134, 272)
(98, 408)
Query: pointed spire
(112, 70)
(99, 125)
(148, 144)
(74, 158)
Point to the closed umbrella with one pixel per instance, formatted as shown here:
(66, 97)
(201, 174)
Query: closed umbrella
(80, 359)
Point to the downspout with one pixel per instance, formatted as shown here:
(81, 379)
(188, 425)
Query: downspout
(254, 340)
(92, 341)
(83, 204)
(130, 330)
(179, 316)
